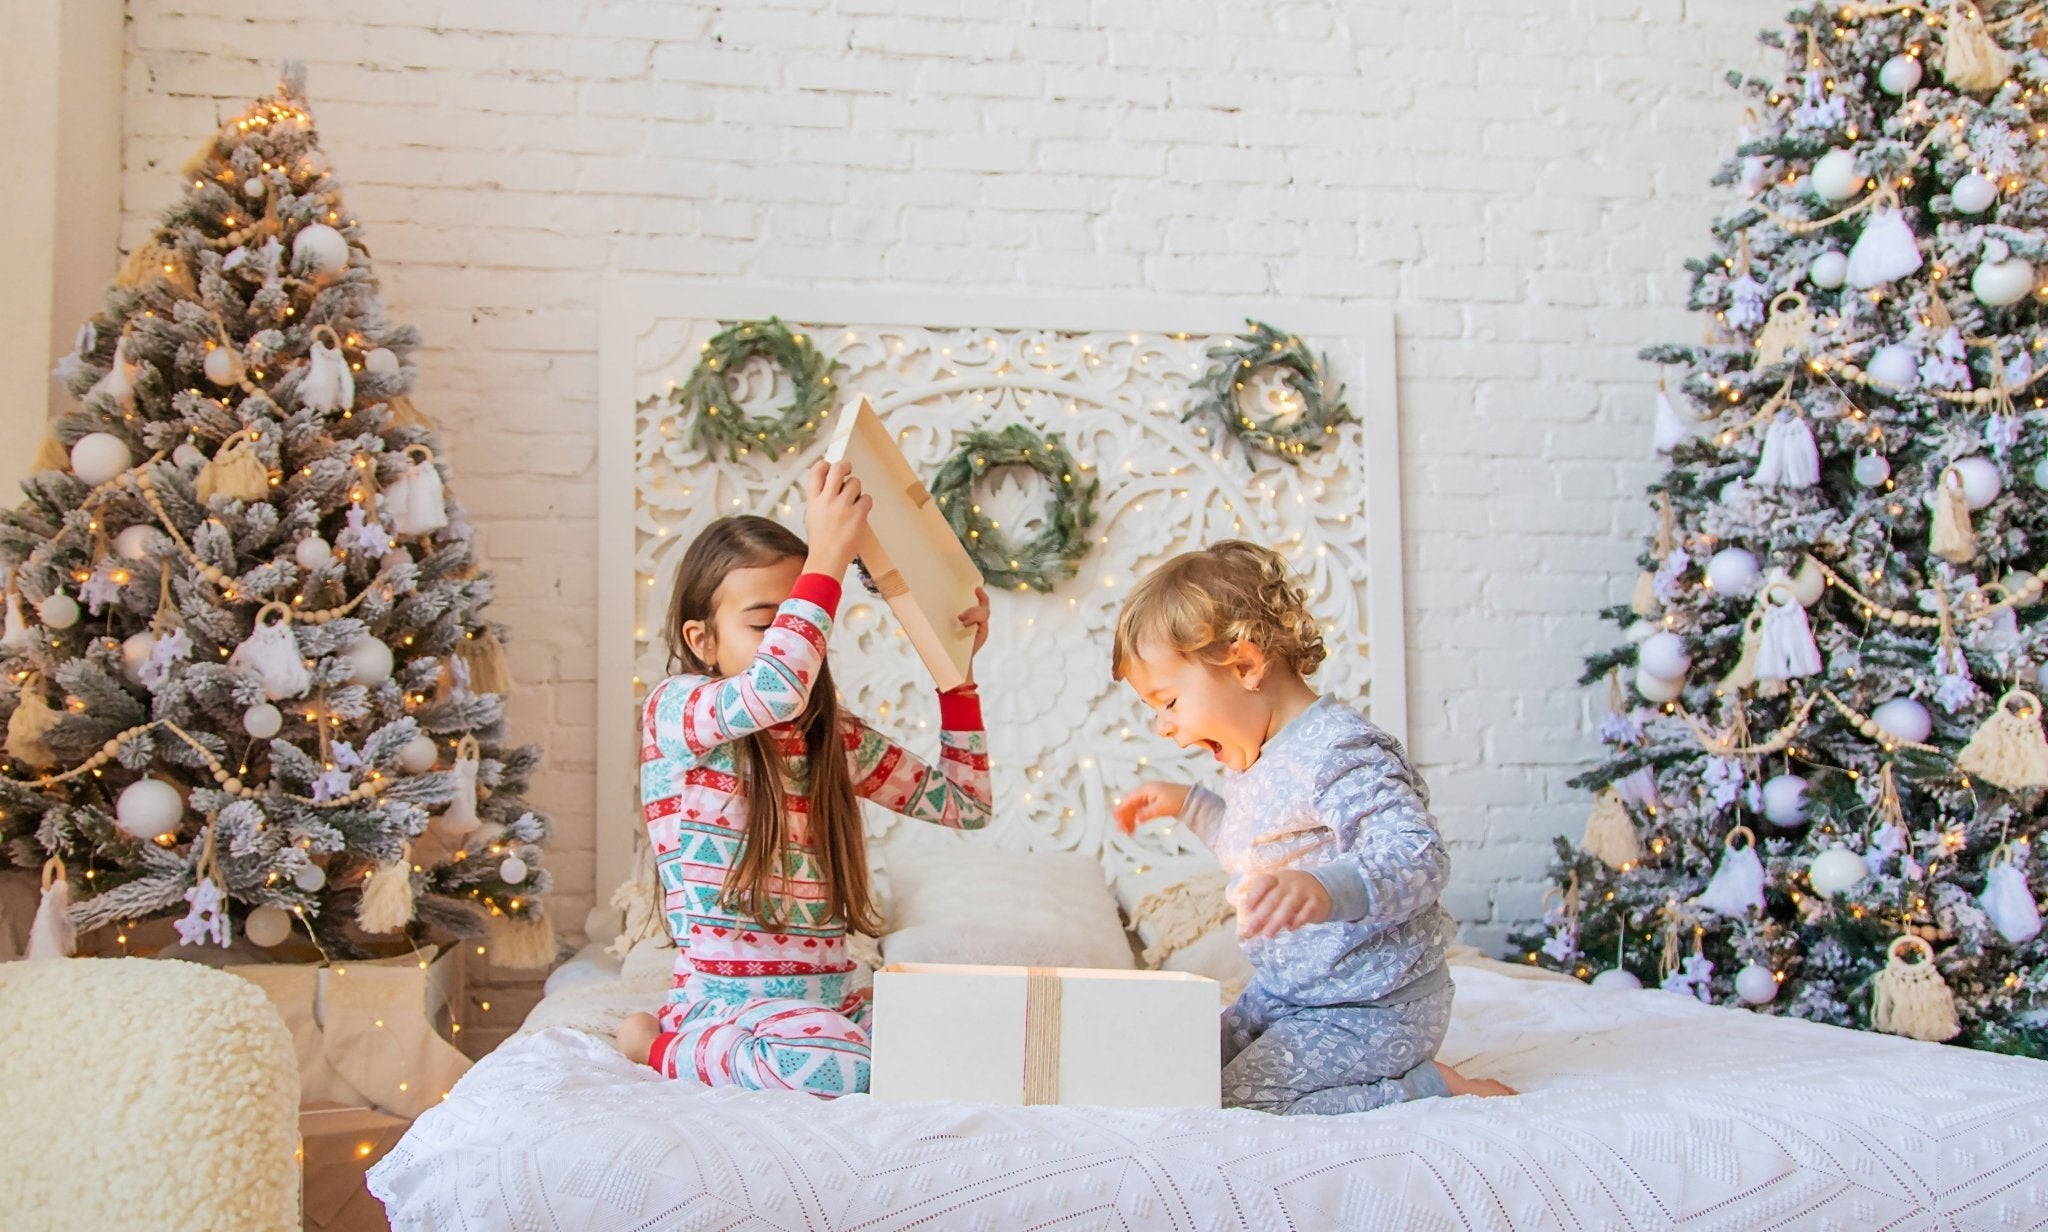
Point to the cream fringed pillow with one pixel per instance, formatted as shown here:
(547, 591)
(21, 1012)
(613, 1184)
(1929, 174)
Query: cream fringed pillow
(1189, 926)
(962, 901)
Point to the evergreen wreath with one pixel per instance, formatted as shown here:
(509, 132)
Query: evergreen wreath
(1323, 409)
(1052, 555)
(720, 421)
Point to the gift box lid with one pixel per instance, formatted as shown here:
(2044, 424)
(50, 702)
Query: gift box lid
(913, 556)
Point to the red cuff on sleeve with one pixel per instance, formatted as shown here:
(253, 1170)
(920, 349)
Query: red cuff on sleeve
(819, 589)
(960, 710)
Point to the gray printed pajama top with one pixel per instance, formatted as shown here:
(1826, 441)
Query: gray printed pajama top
(1347, 1015)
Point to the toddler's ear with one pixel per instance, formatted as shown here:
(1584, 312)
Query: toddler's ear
(697, 636)
(1248, 663)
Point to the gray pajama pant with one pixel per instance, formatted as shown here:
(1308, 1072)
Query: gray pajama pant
(1324, 1060)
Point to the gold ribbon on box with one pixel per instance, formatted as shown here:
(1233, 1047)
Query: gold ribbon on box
(1041, 1036)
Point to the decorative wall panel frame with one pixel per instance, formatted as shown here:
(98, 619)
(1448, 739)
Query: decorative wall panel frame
(1110, 376)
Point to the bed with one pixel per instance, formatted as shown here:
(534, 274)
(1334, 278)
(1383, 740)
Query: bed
(1639, 1109)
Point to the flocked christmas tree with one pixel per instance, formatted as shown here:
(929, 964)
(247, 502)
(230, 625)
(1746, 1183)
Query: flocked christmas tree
(248, 681)
(1823, 793)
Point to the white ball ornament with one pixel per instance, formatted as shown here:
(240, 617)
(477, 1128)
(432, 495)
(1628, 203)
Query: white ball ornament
(313, 552)
(2041, 676)
(1904, 719)
(1732, 572)
(1809, 583)
(1658, 691)
(1981, 481)
(149, 809)
(188, 457)
(135, 652)
(1664, 656)
(1785, 800)
(223, 365)
(1754, 983)
(1895, 365)
(512, 871)
(263, 720)
(267, 926)
(59, 611)
(99, 456)
(135, 542)
(1997, 284)
(381, 360)
(1836, 177)
(369, 662)
(1900, 75)
(310, 878)
(2041, 474)
(1836, 871)
(1829, 270)
(1871, 470)
(1618, 977)
(1973, 194)
(320, 249)
(418, 755)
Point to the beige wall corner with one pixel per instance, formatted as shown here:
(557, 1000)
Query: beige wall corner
(60, 198)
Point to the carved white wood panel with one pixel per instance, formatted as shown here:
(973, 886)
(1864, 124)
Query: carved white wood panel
(1113, 381)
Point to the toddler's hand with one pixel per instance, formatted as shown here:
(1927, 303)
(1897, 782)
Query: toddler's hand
(977, 616)
(1269, 904)
(835, 514)
(1149, 800)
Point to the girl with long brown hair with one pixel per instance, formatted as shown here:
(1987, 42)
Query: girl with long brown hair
(750, 778)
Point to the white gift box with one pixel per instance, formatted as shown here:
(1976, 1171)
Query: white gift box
(1045, 1035)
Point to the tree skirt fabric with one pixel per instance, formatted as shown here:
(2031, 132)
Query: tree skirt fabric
(1639, 1109)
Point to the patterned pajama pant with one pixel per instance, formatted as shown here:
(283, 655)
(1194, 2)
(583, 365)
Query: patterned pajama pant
(1324, 1060)
(767, 1045)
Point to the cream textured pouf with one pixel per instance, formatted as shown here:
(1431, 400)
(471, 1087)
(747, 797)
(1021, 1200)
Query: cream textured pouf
(145, 1094)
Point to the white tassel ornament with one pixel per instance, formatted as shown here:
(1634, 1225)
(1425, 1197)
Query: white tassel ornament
(386, 904)
(272, 654)
(461, 816)
(1610, 833)
(2009, 750)
(52, 935)
(1671, 430)
(1910, 999)
(328, 385)
(1952, 538)
(1786, 649)
(413, 503)
(1885, 252)
(119, 382)
(1971, 60)
(1790, 458)
(1737, 887)
(2007, 898)
(522, 944)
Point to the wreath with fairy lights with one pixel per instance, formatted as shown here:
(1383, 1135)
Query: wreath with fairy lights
(720, 423)
(1308, 414)
(1053, 554)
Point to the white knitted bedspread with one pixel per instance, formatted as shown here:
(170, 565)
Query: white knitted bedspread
(1640, 1110)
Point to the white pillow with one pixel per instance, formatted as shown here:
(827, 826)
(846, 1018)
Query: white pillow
(966, 902)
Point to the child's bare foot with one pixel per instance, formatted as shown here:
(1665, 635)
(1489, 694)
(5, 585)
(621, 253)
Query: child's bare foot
(1461, 1085)
(636, 1036)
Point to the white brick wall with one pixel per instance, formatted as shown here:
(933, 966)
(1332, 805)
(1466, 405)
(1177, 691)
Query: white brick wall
(1518, 178)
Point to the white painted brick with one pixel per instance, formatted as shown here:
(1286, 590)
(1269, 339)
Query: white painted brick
(1517, 179)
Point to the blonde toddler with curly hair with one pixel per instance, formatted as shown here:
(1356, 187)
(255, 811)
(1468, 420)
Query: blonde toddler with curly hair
(1323, 827)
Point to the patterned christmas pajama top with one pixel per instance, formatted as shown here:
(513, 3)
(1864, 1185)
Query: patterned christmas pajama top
(1347, 1015)
(752, 1006)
